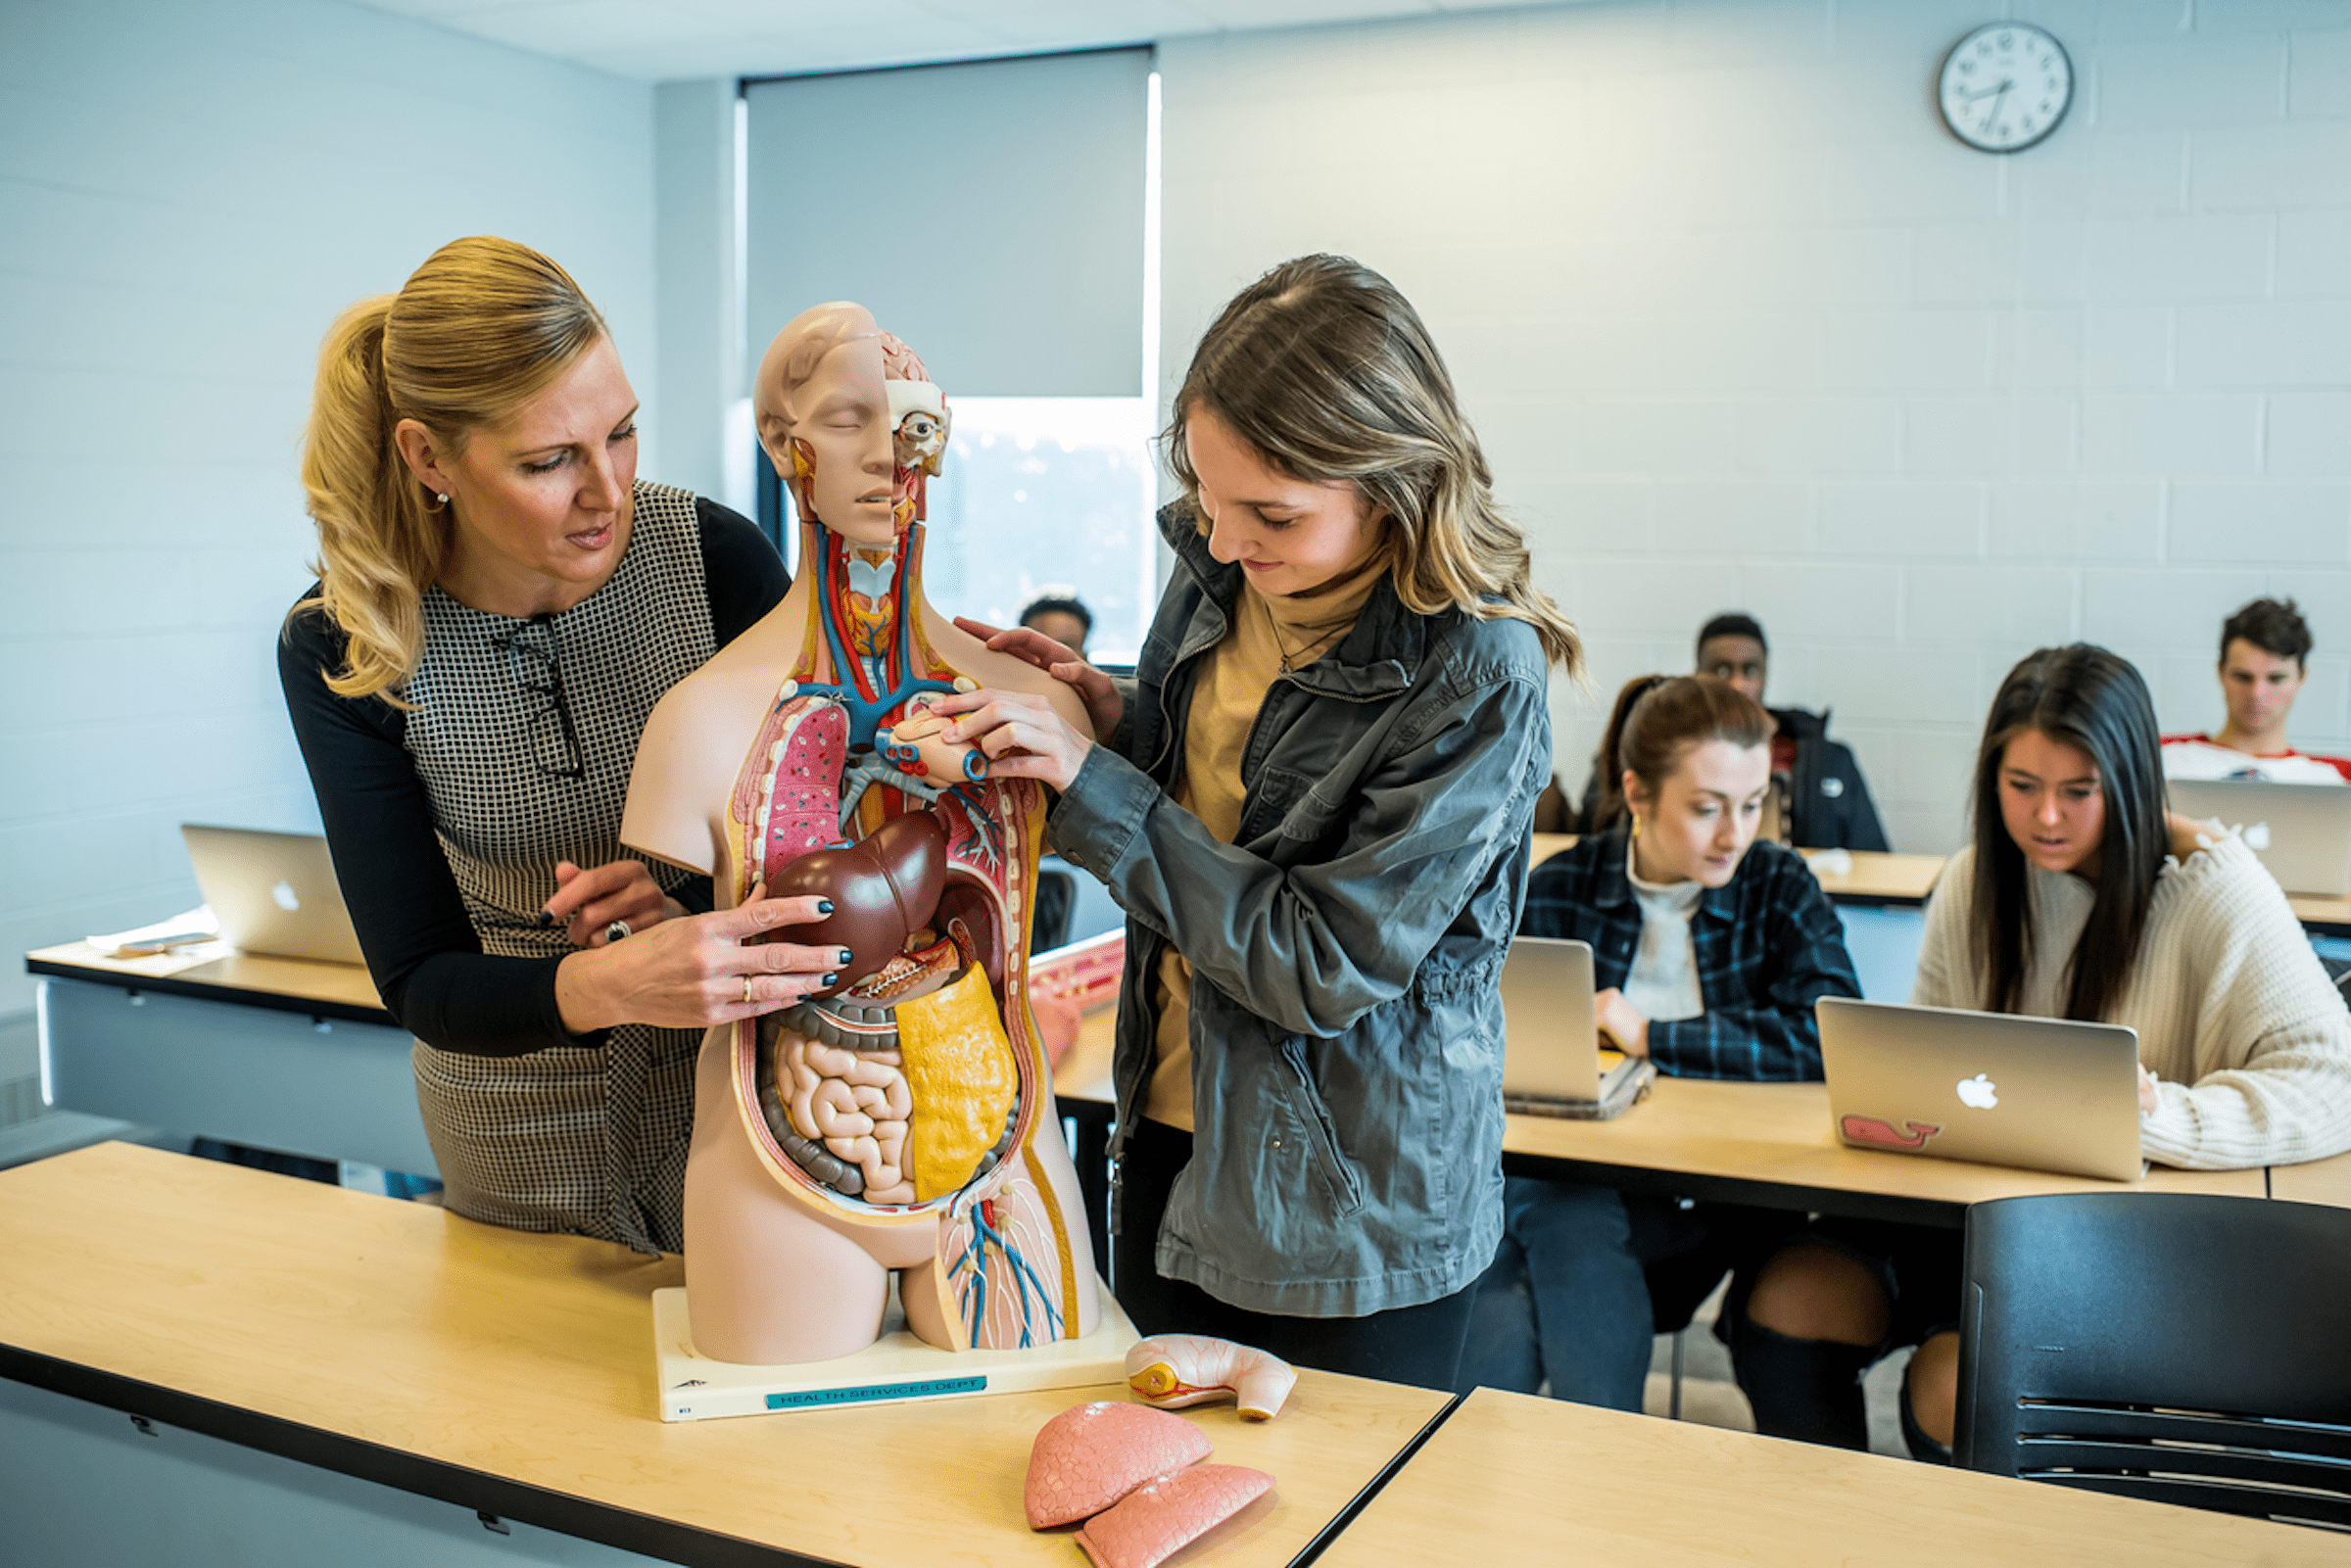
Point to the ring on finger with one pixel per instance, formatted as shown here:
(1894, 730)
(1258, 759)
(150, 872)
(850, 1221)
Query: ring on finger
(746, 987)
(616, 931)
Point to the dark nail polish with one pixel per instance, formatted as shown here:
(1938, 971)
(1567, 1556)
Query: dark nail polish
(546, 918)
(824, 906)
(847, 957)
(831, 979)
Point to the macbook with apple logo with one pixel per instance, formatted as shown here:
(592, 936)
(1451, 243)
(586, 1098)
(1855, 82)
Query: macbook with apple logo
(2301, 831)
(2043, 1094)
(273, 893)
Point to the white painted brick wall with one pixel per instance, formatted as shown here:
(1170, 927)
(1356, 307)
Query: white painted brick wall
(1742, 327)
(188, 196)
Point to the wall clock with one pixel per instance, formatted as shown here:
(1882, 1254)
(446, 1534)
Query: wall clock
(2006, 86)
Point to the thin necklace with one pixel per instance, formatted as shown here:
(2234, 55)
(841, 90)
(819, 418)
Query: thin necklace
(1275, 627)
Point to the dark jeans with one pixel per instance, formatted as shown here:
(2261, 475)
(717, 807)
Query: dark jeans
(1585, 1276)
(1417, 1345)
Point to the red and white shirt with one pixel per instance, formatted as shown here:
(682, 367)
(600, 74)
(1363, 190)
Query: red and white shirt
(2199, 756)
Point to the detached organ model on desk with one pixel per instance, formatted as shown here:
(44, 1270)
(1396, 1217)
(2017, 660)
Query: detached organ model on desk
(902, 1120)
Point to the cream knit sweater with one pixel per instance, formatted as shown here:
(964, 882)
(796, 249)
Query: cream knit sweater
(2235, 1018)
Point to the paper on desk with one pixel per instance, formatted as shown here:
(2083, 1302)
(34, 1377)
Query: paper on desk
(159, 965)
(1830, 861)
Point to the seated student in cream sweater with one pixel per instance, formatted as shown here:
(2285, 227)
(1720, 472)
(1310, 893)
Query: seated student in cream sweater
(2264, 657)
(2081, 897)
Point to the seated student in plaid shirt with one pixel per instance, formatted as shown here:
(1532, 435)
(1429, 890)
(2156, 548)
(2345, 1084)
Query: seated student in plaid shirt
(1710, 949)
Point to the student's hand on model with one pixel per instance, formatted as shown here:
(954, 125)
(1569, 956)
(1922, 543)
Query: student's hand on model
(1104, 705)
(588, 902)
(2146, 1090)
(1627, 1029)
(694, 971)
(1020, 733)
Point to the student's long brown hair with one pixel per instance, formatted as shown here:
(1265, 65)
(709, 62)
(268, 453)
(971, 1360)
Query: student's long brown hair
(1326, 369)
(2088, 698)
(1657, 717)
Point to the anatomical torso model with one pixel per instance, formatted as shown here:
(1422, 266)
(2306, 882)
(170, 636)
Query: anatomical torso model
(904, 1121)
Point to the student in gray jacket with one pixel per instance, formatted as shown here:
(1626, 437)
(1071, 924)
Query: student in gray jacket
(1312, 801)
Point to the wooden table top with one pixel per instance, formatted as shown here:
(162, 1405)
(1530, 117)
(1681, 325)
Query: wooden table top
(2318, 910)
(1778, 1136)
(219, 972)
(1873, 877)
(515, 1373)
(2321, 1181)
(1512, 1479)
(1746, 1142)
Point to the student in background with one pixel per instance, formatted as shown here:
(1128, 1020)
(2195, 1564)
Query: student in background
(2079, 898)
(2264, 657)
(1827, 800)
(1710, 949)
(1059, 614)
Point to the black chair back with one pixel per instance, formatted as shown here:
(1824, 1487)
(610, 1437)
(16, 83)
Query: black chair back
(2181, 1349)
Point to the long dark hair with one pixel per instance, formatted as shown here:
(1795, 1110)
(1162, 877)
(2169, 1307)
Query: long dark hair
(1327, 371)
(2088, 698)
(1655, 718)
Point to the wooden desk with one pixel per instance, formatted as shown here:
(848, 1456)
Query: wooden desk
(1511, 1478)
(273, 1052)
(513, 1374)
(2321, 1181)
(1771, 1144)
(2324, 916)
(219, 972)
(1874, 879)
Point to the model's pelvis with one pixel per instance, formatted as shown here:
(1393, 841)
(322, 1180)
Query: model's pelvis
(905, 1120)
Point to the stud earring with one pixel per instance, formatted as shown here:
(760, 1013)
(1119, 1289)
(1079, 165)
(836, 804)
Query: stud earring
(440, 498)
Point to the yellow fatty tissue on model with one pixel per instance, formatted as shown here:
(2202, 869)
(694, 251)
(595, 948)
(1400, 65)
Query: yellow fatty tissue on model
(962, 1079)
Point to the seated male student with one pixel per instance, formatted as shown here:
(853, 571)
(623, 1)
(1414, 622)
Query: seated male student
(1828, 802)
(2264, 657)
(1061, 615)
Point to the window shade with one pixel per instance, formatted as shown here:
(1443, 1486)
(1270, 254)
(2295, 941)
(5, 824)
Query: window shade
(990, 214)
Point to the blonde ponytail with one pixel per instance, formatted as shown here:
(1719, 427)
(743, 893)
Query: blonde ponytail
(479, 329)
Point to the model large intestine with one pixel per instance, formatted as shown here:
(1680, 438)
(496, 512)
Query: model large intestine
(902, 1120)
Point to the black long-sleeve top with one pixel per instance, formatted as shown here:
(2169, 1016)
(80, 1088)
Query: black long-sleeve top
(422, 949)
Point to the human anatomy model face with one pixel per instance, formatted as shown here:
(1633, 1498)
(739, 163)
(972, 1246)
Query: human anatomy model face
(845, 457)
(1289, 534)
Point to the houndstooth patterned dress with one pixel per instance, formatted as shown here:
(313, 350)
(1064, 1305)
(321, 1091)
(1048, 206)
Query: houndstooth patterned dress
(590, 1140)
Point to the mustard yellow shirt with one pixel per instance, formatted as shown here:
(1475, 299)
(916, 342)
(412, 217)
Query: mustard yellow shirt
(1269, 633)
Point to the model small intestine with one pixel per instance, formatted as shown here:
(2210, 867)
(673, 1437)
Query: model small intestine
(1174, 1370)
(908, 1094)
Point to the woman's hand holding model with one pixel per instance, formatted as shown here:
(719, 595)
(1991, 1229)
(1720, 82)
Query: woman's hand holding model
(695, 970)
(1021, 733)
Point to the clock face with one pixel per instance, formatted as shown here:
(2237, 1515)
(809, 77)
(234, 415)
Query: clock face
(2006, 86)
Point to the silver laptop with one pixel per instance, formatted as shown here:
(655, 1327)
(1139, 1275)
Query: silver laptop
(2301, 831)
(273, 894)
(2043, 1094)
(1551, 1053)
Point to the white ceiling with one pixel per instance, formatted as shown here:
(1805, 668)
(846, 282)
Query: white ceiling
(667, 40)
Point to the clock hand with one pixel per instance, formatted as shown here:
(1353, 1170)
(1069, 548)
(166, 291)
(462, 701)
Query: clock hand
(1986, 92)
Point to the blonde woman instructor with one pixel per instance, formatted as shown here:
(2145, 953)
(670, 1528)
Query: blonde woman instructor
(499, 603)
(1313, 804)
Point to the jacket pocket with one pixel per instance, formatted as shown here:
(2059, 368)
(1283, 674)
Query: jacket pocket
(1339, 1178)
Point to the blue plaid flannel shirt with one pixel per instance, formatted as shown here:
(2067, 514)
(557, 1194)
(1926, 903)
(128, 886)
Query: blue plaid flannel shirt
(1768, 945)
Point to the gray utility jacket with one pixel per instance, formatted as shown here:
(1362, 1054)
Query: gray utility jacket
(1346, 1026)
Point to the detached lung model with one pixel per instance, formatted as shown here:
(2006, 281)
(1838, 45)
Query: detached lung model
(905, 1121)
